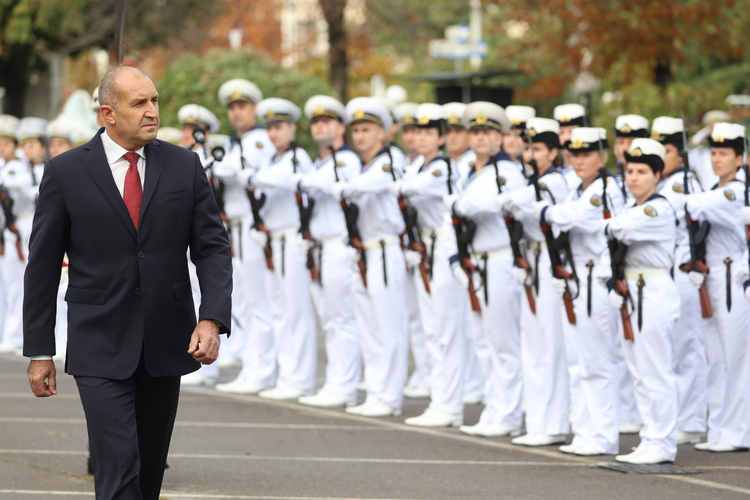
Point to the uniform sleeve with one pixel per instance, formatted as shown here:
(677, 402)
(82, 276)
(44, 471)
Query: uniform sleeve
(47, 244)
(719, 206)
(585, 214)
(642, 223)
(279, 175)
(322, 179)
(376, 179)
(430, 182)
(257, 148)
(477, 201)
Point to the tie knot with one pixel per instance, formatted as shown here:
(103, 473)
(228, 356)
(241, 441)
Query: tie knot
(132, 158)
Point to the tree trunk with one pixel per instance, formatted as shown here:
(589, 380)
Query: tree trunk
(663, 72)
(333, 11)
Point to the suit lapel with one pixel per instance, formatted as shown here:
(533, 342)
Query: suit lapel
(154, 163)
(95, 160)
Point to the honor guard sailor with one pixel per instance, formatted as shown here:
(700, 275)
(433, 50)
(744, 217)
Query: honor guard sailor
(518, 116)
(725, 334)
(689, 350)
(379, 286)
(406, 117)
(195, 118)
(58, 136)
(247, 148)
(497, 326)
(646, 227)
(593, 344)
(327, 248)
(8, 160)
(546, 386)
(457, 137)
(294, 320)
(570, 117)
(627, 128)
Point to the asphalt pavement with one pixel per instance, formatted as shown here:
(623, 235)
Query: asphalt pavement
(244, 447)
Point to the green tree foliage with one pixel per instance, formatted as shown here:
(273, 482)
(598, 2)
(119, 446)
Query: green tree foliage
(197, 78)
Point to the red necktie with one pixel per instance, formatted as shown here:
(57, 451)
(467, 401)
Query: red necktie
(132, 193)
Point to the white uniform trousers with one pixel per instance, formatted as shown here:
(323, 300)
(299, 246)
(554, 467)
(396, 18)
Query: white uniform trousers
(650, 361)
(499, 324)
(474, 380)
(728, 355)
(545, 370)
(334, 302)
(293, 317)
(595, 419)
(382, 321)
(444, 322)
(628, 407)
(13, 275)
(420, 376)
(689, 359)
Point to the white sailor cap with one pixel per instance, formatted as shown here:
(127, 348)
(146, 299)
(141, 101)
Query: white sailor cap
(368, 109)
(480, 114)
(276, 109)
(727, 135)
(239, 89)
(631, 126)
(543, 130)
(389, 103)
(668, 130)
(60, 129)
(647, 151)
(431, 115)
(324, 105)
(31, 128)
(81, 134)
(455, 114)
(95, 100)
(715, 116)
(170, 134)
(406, 114)
(585, 139)
(570, 114)
(195, 114)
(8, 126)
(519, 115)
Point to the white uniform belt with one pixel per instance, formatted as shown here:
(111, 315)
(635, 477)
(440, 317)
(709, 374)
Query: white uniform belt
(328, 241)
(237, 221)
(491, 253)
(536, 245)
(634, 274)
(376, 243)
(289, 233)
(427, 233)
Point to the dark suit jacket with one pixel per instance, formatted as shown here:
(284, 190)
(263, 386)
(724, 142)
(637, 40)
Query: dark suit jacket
(129, 292)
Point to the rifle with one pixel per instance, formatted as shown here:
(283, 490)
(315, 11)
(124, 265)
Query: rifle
(617, 253)
(255, 205)
(558, 269)
(305, 214)
(620, 166)
(465, 230)
(697, 233)
(747, 198)
(351, 214)
(10, 221)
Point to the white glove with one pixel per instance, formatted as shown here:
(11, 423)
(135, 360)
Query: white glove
(449, 200)
(353, 254)
(223, 170)
(337, 190)
(747, 294)
(244, 175)
(303, 244)
(460, 275)
(538, 207)
(616, 299)
(500, 202)
(413, 259)
(395, 188)
(745, 215)
(259, 237)
(519, 274)
(559, 286)
(696, 278)
(294, 182)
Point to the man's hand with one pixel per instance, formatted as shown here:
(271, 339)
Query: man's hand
(204, 343)
(42, 378)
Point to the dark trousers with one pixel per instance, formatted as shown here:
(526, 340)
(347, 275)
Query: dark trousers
(130, 425)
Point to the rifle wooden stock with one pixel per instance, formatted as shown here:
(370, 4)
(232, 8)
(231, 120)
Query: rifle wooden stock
(522, 263)
(425, 276)
(706, 309)
(19, 247)
(627, 327)
(569, 309)
(356, 243)
(267, 250)
(469, 269)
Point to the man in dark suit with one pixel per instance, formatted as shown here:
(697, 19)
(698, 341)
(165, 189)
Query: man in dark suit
(126, 208)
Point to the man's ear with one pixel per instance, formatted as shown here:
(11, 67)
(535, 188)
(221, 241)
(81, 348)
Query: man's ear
(109, 114)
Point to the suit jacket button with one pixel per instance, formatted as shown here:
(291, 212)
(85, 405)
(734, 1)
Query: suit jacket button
(141, 255)
(137, 291)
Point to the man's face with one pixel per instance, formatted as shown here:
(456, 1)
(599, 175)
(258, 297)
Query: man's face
(7, 148)
(33, 149)
(241, 115)
(281, 134)
(429, 141)
(134, 121)
(368, 137)
(58, 145)
(485, 141)
(324, 130)
(456, 140)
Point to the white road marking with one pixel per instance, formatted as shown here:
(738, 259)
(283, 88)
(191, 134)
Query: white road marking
(709, 484)
(185, 496)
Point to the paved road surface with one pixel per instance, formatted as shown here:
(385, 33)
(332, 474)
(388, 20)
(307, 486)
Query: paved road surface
(237, 447)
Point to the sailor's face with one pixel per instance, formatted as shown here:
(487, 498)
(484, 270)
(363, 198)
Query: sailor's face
(586, 165)
(409, 136)
(672, 159)
(622, 144)
(33, 149)
(456, 140)
(58, 145)
(565, 133)
(325, 129)
(241, 115)
(367, 136)
(641, 180)
(7, 148)
(725, 161)
(428, 141)
(281, 134)
(485, 141)
(511, 142)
